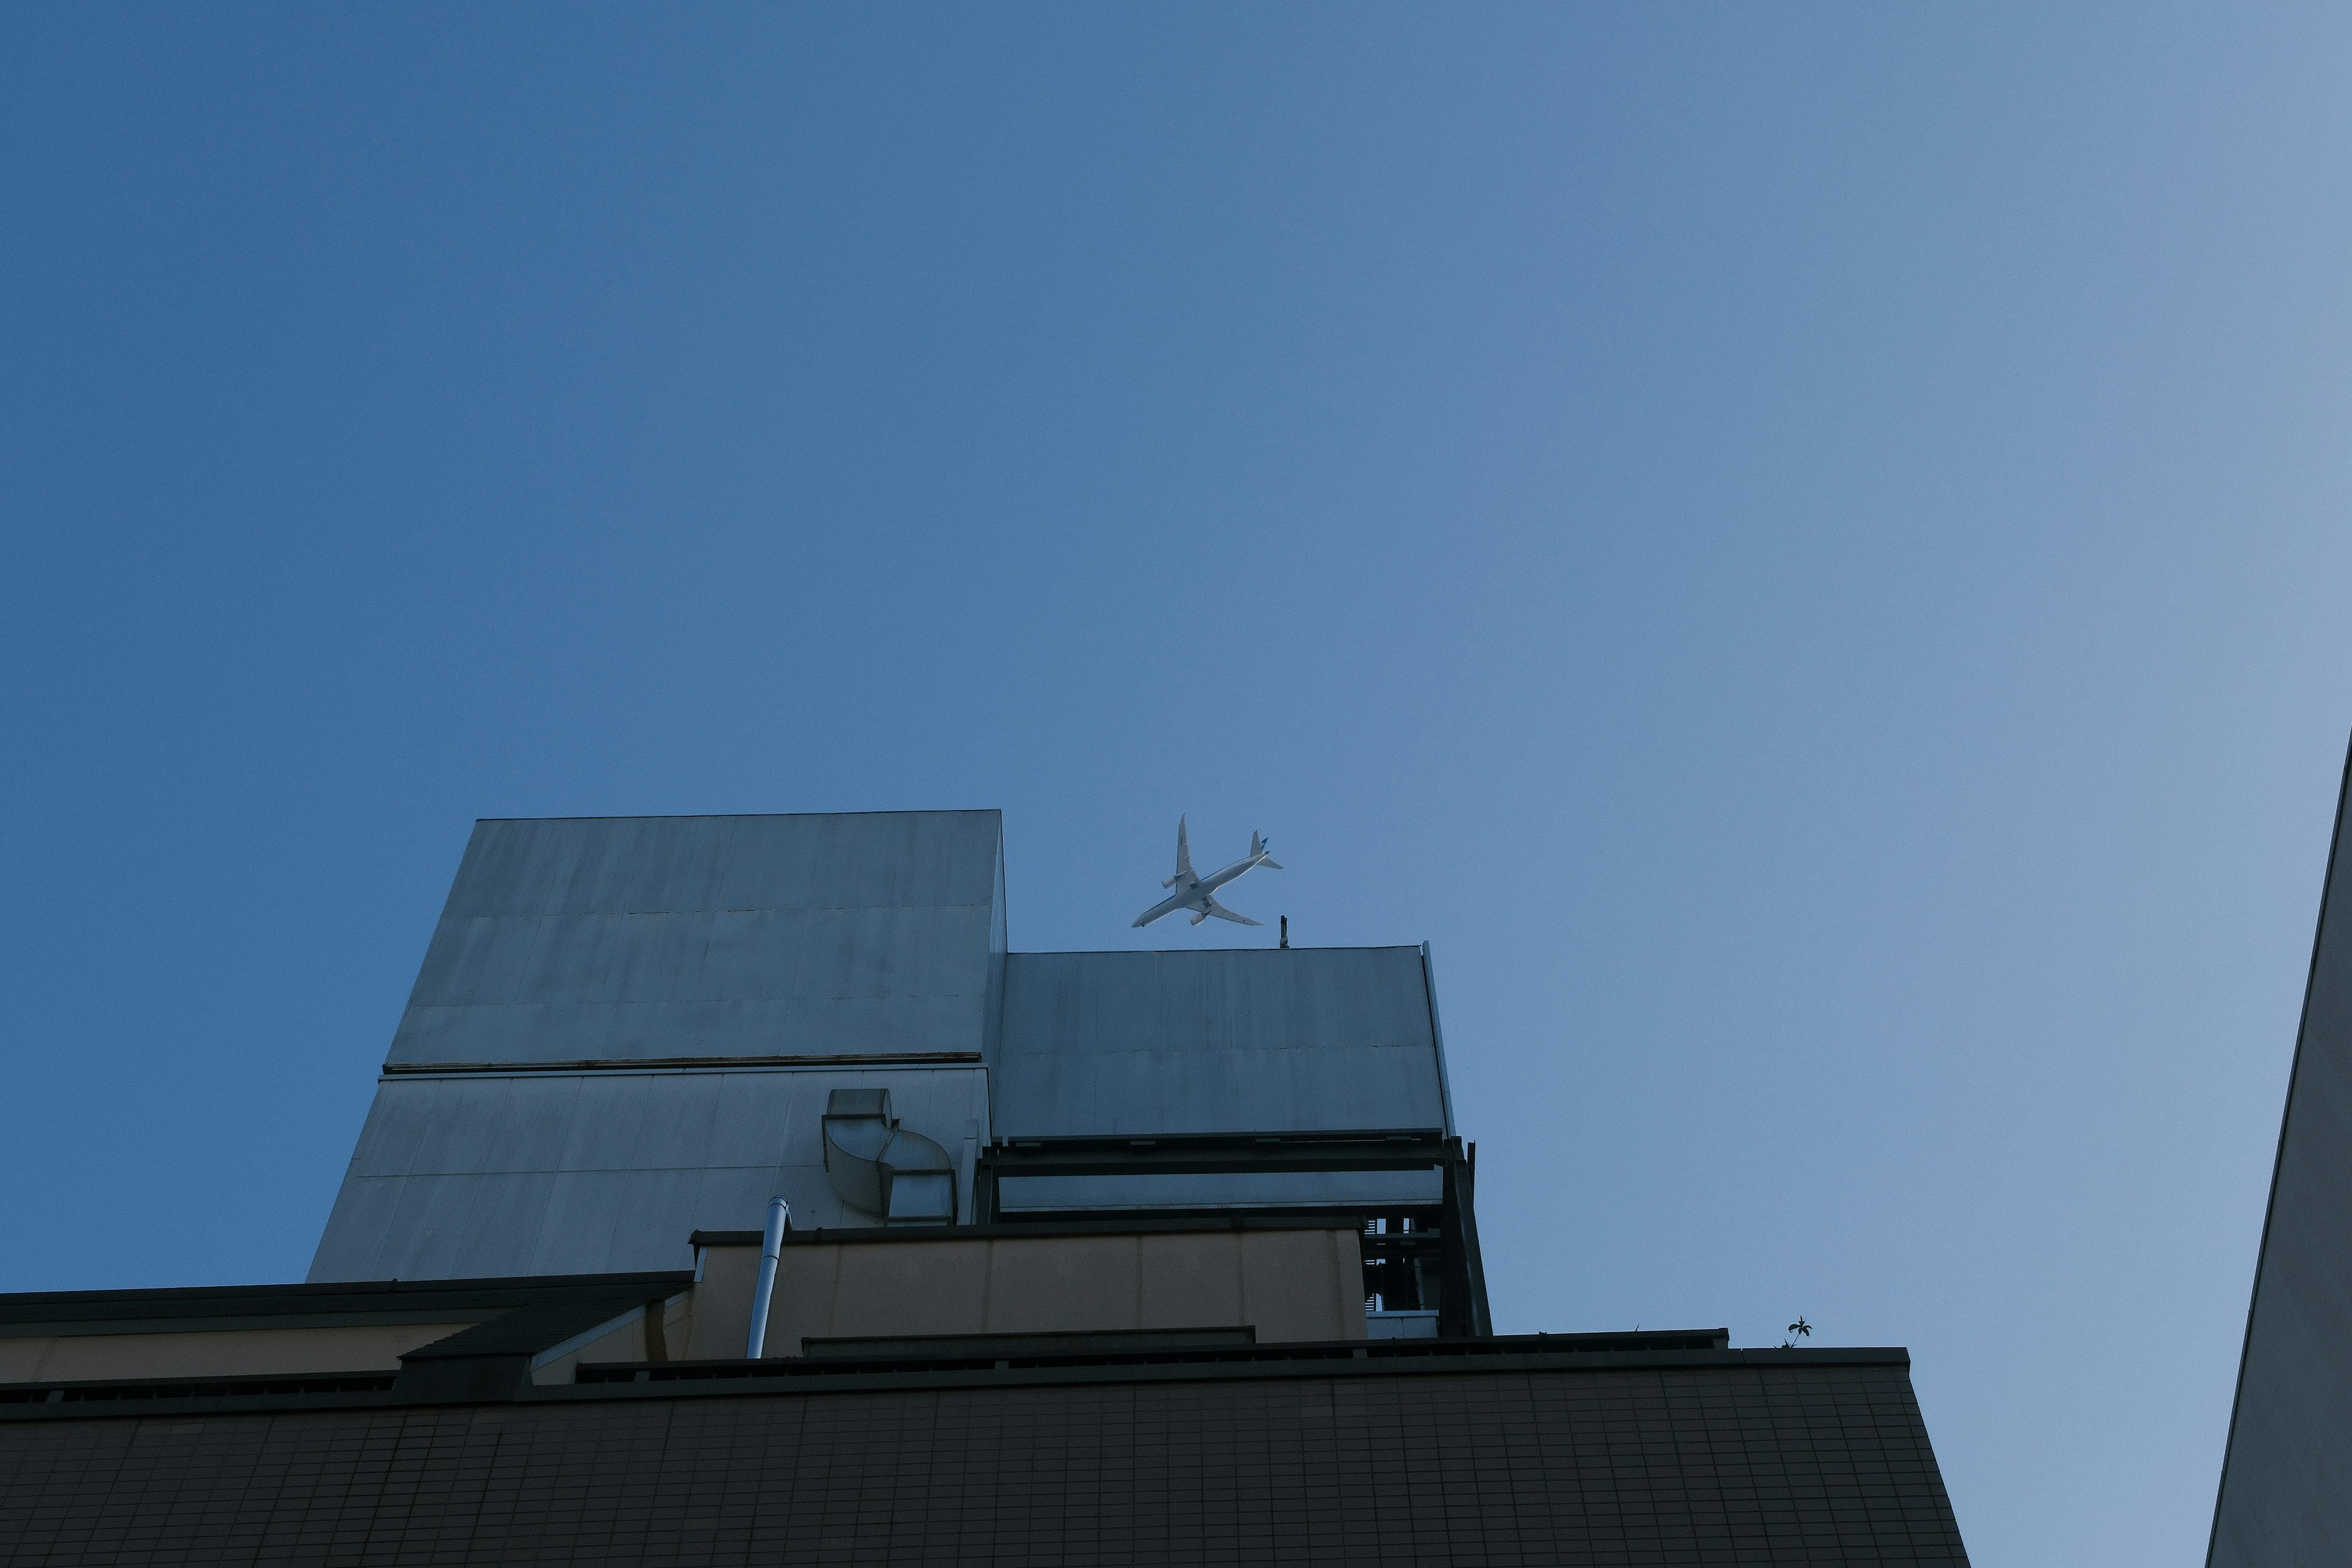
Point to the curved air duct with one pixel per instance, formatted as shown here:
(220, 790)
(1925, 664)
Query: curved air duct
(883, 1168)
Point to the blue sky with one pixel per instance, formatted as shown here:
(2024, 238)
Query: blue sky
(1802, 549)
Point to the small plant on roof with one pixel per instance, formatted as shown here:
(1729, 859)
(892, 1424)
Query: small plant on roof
(1799, 1330)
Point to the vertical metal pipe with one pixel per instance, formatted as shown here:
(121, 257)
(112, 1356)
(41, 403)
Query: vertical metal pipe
(772, 1246)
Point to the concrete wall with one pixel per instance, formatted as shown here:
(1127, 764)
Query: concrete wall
(2286, 1481)
(722, 1302)
(1289, 1285)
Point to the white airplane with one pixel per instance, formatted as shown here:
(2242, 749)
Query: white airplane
(1198, 893)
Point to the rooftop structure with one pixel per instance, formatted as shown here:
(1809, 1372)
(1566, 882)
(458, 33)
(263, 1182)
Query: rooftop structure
(628, 1029)
(1102, 1257)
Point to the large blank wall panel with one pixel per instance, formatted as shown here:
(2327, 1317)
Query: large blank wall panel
(636, 937)
(480, 1175)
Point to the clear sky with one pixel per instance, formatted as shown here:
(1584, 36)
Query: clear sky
(1804, 550)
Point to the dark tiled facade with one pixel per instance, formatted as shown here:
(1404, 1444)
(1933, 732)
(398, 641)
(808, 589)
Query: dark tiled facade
(1701, 1458)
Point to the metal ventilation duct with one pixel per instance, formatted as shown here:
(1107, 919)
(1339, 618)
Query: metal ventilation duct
(885, 1169)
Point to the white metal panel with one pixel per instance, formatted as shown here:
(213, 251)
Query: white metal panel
(600, 939)
(625, 1122)
(1227, 1040)
(639, 864)
(809, 1025)
(395, 1126)
(467, 1130)
(430, 1229)
(353, 1245)
(596, 1218)
(774, 1123)
(565, 1173)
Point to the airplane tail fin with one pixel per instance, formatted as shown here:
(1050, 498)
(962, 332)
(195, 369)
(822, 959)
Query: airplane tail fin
(1258, 854)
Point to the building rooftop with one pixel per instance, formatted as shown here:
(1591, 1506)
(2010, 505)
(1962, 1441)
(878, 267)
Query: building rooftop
(1151, 1258)
(1600, 1450)
(628, 1028)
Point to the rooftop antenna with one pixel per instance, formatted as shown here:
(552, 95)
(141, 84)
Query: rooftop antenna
(1286, 931)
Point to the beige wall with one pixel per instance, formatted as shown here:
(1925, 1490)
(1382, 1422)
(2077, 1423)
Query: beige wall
(271, 1352)
(722, 1302)
(1289, 1285)
(214, 1353)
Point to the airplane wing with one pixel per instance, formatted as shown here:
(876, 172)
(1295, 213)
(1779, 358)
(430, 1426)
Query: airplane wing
(1184, 856)
(1224, 913)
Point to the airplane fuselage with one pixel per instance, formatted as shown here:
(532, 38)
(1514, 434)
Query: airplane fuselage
(1199, 894)
(1196, 895)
